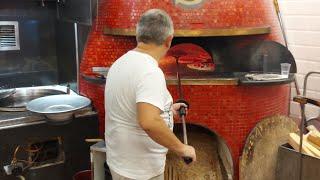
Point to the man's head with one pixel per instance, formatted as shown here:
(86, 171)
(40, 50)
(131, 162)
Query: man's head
(155, 27)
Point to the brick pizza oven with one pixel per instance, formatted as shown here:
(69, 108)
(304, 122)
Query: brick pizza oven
(220, 104)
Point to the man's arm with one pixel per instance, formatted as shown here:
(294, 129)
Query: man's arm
(151, 122)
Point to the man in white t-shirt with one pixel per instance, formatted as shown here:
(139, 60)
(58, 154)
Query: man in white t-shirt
(139, 108)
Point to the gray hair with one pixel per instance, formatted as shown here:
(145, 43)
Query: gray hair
(154, 26)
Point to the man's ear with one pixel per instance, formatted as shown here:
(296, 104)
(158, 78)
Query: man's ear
(168, 41)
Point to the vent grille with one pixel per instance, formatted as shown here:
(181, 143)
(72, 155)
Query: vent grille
(9, 36)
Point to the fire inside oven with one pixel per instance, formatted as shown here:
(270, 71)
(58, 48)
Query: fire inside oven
(224, 57)
(213, 157)
(192, 58)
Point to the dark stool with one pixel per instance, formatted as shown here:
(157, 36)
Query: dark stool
(107, 172)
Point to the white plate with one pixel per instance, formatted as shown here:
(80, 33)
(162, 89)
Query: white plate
(265, 77)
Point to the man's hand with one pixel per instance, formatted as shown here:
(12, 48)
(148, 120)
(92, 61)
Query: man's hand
(176, 106)
(151, 122)
(188, 151)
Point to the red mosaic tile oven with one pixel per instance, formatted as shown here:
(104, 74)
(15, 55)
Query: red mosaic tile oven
(218, 102)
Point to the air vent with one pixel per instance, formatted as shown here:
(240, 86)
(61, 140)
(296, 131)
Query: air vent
(9, 36)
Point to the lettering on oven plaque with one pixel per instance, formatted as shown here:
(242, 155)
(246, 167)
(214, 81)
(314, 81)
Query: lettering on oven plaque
(188, 3)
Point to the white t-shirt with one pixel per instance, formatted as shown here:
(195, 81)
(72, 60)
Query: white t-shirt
(134, 77)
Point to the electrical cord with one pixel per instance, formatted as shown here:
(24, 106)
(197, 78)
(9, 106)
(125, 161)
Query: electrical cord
(28, 163)
(14, 159)
(31, 163)
(30, 150)
(21, 177)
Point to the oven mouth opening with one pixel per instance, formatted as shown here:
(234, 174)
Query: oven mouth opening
(214, 160)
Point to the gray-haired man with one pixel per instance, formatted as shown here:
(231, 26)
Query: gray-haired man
(139, 108)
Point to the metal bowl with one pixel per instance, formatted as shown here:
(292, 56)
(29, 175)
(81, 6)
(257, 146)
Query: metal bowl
(58, 108)
(4, 93)
(18, 100)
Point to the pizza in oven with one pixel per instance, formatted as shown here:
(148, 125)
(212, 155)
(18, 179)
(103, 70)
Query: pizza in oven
(191, 59)
(202, 66)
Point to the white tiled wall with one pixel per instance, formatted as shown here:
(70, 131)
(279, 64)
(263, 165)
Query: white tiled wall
(302, 23)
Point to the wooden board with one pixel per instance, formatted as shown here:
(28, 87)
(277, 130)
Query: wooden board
(259, 156)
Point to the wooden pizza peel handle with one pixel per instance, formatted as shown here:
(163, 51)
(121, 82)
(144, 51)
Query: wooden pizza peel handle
(182, 114)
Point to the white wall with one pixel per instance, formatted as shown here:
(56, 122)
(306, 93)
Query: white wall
(302, 23)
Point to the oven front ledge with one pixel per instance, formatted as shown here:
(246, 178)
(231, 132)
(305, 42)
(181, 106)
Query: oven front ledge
(238, 80)
(203, 81)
